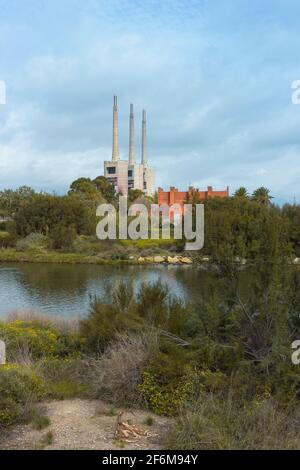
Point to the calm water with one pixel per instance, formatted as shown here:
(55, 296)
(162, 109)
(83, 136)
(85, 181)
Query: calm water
(66, 289)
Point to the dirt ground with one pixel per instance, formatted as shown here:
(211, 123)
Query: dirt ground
(86, 424)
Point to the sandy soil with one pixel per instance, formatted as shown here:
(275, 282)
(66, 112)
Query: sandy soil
(86, 424)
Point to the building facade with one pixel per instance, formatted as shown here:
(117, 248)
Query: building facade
(128, 174)
(191, 195)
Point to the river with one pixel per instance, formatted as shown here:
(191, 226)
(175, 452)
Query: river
(65, 290)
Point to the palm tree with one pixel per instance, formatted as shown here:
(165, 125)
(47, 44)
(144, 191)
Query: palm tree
(241, 192)
(262, 196)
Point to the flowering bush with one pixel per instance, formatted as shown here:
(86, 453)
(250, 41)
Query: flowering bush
(37, 340)
(161, 400)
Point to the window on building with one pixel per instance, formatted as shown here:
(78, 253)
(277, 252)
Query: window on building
(130, 173)
(111, 170)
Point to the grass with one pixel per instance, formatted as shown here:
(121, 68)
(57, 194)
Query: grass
(3, 234)
(149, 243)
(149, 421)
(40, 422)
(119, 443)
(227, 424)
(12, 255)
(46, 440)
(66, 389)
(111, 411)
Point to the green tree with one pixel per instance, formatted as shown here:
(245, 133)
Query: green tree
(63, 237)
(44, 212)
(262, 196)
(241, 192)
(134, 194)
(12, 200)
(106, 188)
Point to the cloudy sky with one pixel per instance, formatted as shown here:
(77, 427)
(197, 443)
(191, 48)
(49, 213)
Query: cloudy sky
(214, 75)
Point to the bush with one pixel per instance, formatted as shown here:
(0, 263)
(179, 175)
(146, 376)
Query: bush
(164, 401)
(65, 389)
(221, 424)
(116, 375)
(33, 241)
(65, 377)
(8, 239)
(19, 388)
(35, 340)
(39, 421)
(63, 237)
(109, 318)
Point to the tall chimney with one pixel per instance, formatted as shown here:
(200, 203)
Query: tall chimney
(144, 140)
(115, 143)
(131, 137)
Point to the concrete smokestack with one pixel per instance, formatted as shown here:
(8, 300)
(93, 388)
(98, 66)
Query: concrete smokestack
(144, 140)
(115, 143)
(131, 137)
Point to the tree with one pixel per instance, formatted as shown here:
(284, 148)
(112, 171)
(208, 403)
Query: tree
(63, 237)
(45, 211)
(86, 190)
(262, 196)
(241, 192)
(106, 188)
(134, 194)
(11, 200)
(84, 185)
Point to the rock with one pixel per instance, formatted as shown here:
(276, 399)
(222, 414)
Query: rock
(150, 259)
(158, 259)
(186, 260)
(131, 257)
(205, 258)
(141, 259)
(2, 353)
(296, 260)
(173, 260)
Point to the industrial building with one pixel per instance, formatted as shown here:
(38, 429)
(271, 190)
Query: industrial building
(128, 174)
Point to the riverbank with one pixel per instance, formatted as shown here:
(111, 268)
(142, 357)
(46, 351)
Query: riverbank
(12, 255)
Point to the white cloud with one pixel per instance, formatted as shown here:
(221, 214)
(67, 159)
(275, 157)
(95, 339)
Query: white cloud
(218, 98)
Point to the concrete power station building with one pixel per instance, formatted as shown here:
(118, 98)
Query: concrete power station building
(128, 174)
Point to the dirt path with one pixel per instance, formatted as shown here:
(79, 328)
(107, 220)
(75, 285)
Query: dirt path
(85, 424)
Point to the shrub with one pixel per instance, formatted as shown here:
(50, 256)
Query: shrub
(19, 388)
(8, 239)
(116, 375)
(149, 421)
(65, 377)
(46, 440)
(65, 389)
(37, 340)
(63, 237)
(164, 401)
(55, 368)
(33, 241)
(222, 424)
(39, 421)
(107, 319)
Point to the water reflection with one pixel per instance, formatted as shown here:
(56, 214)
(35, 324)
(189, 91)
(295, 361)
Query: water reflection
(66, 289)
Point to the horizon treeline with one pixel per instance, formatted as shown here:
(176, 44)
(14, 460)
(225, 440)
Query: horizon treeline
(243, 225)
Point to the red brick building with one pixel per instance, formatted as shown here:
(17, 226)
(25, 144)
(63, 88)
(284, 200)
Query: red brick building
(191, 195)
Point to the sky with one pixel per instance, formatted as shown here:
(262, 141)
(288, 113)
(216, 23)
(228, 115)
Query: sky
(214, 76)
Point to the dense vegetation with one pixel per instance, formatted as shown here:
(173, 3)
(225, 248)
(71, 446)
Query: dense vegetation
(220, 364)
(243, 226)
